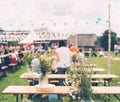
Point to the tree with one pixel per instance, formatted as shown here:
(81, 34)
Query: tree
(104, 40)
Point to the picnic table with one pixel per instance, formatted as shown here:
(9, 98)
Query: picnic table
(20, 90)
(106, 77)
(36, 75)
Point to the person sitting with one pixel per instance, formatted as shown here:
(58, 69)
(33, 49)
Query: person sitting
(13, 57)
(93, 53)
(101, 53)
(20, 57)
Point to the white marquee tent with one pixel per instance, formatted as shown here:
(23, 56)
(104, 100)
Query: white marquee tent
(30, 38)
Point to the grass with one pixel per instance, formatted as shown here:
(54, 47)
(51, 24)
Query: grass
(12, 78)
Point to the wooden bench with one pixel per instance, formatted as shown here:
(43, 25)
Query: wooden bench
(94, 82)
(97, 82)
(98, 90)
(3, 71)
(12, 67)
(54, 81)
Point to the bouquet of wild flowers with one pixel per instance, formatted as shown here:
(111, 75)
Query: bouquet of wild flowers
(29, 58)
(74, 57)
(80, 81)
(45, 64)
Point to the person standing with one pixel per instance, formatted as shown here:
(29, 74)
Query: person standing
(35, 63)
(63, 60)
(81, 56)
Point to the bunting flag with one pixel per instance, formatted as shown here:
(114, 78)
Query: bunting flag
(43, 24)
(21, 24)
(86, 22)
(65, 23)
(32, 24)
(10, 25)
(99, 19)
(107, 21)
(55, 24)
(97, 22)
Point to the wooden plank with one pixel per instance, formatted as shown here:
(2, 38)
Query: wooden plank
(63, 76)
(112, 90)
(33, 90)
(12, 67)
(4, 67)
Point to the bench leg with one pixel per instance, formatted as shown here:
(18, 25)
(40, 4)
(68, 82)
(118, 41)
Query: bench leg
(2, 73)
(12, 68)
(16, 97)
(21, 97)
(117, 97)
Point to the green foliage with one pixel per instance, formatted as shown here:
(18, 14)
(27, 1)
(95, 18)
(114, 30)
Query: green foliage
(26, 100)
(81, 82)
(29, 58)
(104, 40)
(13, 43)
(45, 66)
(45, 63)
(85, 86)
(74, 57)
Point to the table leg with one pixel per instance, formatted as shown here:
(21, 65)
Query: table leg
(16, 97)
(108, 98)
(109, 80)
(21, 97)
(104, 82)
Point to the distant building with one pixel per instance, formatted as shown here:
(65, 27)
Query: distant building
(12, 35)
(83, 40)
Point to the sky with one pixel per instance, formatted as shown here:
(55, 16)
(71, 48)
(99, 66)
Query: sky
(60, 16)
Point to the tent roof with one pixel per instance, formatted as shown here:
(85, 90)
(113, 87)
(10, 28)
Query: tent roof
(30, 38)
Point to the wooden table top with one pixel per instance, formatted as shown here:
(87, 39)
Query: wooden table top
(30, 75)
(104, 76)
(95, 69)
(106, 90)
(58, 90)
(33, 90)
(36, 75)
(58, 76)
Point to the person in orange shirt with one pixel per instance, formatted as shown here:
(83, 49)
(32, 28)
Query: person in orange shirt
(73, 48)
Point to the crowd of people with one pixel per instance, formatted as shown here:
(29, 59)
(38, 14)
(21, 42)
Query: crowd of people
(10, 54)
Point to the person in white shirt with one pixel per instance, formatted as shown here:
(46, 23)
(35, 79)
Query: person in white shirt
(80, 56)
(35, 63)
(63, 60)
(32, 48)
(101, 53)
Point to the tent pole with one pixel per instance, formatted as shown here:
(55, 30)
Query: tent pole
(109, 37)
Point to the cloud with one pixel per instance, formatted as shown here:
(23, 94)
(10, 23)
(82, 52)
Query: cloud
(79, 15)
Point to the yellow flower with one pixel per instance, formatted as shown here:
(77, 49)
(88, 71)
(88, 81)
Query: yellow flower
(42, 57)
(44, 95)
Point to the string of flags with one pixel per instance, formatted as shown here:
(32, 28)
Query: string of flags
(98, 20)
